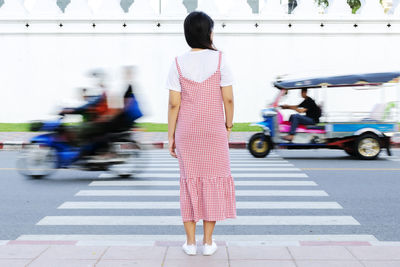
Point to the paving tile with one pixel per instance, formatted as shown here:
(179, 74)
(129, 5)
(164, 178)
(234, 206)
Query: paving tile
(21, 251)
(321, 253)
(335, 243)
(376, 253)
(129, 263)
(259, 253)
(73, 252)
(62, 263)
(262, 263)
(319, 263)
(381, 263)
(41, 242)
(14, 262)
(177, 253)
(196, 262)
(135, 253)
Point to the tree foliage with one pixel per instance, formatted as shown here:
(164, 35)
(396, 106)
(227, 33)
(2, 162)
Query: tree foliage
(354, 4)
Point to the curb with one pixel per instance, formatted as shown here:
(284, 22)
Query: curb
(19, 145)
(163, 243)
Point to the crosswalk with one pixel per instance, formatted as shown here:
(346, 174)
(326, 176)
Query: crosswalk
(276, 203)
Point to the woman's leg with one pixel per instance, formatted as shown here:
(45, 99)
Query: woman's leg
(208, 231)
(190, 228)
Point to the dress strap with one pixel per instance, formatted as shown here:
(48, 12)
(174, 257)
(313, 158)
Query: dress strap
(219, 60)
(177, 67)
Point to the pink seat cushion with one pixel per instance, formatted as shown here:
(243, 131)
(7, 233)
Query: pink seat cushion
(284, 127)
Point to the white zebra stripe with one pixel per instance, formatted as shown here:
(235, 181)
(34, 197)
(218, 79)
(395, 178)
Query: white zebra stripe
(156, 165)
(176, 183)
(233, 161)
(310, 193)
(155, 157)
(176, 205)
(177, 220)
(233, 169)
(236, 175)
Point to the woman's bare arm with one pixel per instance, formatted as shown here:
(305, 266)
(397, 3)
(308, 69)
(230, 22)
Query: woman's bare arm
(227, 97)
(173, 109)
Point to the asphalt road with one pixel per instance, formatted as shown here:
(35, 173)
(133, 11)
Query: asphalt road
(367, 193)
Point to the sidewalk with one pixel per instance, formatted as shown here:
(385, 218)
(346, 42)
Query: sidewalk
(15, 140)
(172, 255)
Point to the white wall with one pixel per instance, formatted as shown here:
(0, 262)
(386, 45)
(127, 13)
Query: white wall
(42, 65)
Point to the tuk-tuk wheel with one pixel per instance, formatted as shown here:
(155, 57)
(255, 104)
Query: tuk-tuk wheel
(367, 146)
(260, 145)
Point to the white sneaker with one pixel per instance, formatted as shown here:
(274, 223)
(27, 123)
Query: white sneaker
(209, 250)
(189, 249)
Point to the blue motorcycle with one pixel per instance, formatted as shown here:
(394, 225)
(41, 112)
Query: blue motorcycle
(50, 151)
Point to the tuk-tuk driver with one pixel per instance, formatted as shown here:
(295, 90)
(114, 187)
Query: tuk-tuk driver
(308, 106)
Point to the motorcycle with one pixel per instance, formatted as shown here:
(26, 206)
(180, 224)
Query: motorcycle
(51, 151)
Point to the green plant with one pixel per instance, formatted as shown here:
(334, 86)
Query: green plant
(324, 3)
(354, 4)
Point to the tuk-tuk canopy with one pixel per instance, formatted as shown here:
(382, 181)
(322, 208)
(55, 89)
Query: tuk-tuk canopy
(370, 79)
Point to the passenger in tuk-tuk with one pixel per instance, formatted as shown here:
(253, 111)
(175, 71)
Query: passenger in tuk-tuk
(308, 106)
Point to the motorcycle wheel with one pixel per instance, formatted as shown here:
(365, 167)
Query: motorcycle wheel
(130, 152)
(36, 162)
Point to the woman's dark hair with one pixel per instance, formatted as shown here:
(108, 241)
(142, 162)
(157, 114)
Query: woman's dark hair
(198, 27)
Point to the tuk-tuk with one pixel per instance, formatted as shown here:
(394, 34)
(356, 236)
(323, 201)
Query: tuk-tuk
(363, 138)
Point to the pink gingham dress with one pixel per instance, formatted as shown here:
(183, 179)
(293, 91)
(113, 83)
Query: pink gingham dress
(207, 190)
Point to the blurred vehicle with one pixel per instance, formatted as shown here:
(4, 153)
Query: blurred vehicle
(51, 151)
(102, 142)
(363, 139)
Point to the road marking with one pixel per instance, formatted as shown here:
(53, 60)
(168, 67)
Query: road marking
(231, 151)
(175, 161)
(351, 169)
(149, 156)
(231, 158)
(164, 163)
(177, 220)
(236, 175)
(176, 205)
(174, 164)
(249, 169)
(311, 193)
(166, 154)
(176, 183)
(143, 238)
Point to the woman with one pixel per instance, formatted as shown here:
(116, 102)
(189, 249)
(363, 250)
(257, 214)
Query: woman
(200, 90)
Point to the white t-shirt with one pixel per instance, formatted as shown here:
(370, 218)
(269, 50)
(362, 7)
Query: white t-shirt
(198, 66)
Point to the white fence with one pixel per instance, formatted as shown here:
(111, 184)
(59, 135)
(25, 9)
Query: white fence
(45, 54)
